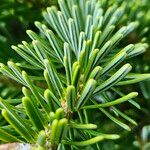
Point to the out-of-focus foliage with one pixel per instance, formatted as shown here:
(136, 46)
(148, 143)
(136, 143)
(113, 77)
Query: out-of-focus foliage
(16, 16)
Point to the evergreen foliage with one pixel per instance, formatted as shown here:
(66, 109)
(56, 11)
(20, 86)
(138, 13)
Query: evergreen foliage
(73, 74)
